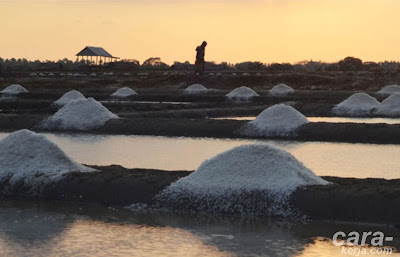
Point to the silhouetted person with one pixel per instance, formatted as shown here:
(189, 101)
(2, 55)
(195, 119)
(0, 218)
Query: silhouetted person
(199, 65)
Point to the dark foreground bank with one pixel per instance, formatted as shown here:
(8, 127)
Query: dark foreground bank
(348, 199)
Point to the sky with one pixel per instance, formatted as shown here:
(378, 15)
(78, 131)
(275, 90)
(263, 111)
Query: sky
(236, 30)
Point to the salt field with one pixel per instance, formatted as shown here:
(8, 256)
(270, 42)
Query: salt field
(199, 128)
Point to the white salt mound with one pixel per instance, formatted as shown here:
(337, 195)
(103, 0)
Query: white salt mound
(278, 120)
(242, 93)
(281, 90)
(33, 159)
(358, 104)
(390, 106)
(124, 92)
(389, 90)
(243, 170)
(195, 89)
(69, 97)
(83, 114)
(14, 89)
(248, 168)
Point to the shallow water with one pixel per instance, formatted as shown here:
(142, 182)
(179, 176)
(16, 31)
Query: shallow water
(166, 153)
(50, 229)
(330, 119)
(145, 102)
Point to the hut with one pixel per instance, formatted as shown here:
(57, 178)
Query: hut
(98, 52)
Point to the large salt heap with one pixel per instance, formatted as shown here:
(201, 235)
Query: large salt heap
(241, 94)
(124, 92)
(195, 89)
(359, 104)
(278, 120)
(14, 89)
(249, 179)
(84, 114)
(69, 97)
(390, 107)
(280, 90)
(33, 159)
(389, 90)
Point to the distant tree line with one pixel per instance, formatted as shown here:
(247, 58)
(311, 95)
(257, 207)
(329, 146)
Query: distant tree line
(155, 63)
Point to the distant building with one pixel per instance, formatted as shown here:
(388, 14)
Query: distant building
(98, 52)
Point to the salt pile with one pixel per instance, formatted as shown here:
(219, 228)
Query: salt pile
(281, 90)
(14, 89)
(241, 94)
(68, 97)
(124, 92)
(34, 160)
(359, 104)
(278, 120)
(83, 114)
(255, 179)
(195, 89)
(389, 90)
(390, 106)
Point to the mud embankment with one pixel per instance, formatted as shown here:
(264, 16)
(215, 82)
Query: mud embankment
(360, 200)
(320, 131)
(109, 185)
(346, 199)
(201, 127)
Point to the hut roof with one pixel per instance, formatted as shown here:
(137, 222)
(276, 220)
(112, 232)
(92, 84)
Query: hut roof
(94, 51)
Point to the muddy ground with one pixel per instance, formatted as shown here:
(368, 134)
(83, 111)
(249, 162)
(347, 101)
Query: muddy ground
(346, 199)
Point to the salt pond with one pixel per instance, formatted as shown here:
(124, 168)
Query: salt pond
(51, 229)
(329, 119)
(166, 153)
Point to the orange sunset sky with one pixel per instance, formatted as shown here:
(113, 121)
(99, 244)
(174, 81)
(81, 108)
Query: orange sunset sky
(236, 30)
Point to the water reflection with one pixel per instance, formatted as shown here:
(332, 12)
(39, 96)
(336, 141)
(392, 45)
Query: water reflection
(79, 230)
(329, 119)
